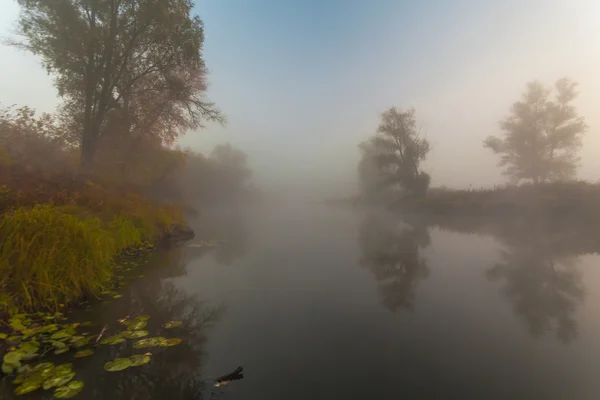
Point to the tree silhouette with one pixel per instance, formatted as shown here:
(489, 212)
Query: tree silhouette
(541, 136)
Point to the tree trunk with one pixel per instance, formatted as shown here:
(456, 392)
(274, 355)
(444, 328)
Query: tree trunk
(88, 151)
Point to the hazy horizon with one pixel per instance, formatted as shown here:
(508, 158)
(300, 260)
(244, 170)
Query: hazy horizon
(302, 84)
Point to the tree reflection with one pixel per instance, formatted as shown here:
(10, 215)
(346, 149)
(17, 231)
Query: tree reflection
(545, 287)
(391, 251)
(174, 372)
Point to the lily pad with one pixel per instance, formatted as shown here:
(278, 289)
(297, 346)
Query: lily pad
(135, 325)
(45, 370)
(13, 358)
(63, 369)
(61, 351)
(7, 369)
(149, 342)
(117, 296)
(29, 385)
(79, 341)
(69, 390)
(58, 380)
(116, 339)
(172, 324)
(139, 359)
(83, 353)
(134, 334)
(3, 335)
(142, 317)
(170, 342)
(118, 364)
(31, 346)
(63, 333)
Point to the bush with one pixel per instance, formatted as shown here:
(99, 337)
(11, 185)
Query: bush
(49, 256)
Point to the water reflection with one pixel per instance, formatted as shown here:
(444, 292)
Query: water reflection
(391, 249)
(541, 281)
(231, 229)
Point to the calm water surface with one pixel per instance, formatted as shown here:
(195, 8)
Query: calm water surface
(323, 303)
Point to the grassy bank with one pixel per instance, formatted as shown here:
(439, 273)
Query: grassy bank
(557, 200)
(60, 249)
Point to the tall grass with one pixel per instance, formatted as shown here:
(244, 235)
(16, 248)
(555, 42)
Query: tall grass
(49, 256)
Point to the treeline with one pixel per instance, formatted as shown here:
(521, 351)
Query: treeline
(539, 143)
(101, 175)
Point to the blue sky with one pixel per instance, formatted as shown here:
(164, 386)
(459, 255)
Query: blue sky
(303, 82)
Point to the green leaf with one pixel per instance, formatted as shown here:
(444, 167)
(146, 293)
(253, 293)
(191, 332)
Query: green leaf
(7, 369)
(117, 296)
(79, 341)
(64, 333)
(172, 324)
(61, 351)
(170, 342)
(29, 385)
(16, 324)
(84, 353)
(135, 325)
(116, 339)
(13, 358)
(31, 346)
(58, 380)
(61, 369)
(139, 359)
(134, 334)
(149, 342)
(69, 390)
(45, 370)
(118, 364)
(3, 336)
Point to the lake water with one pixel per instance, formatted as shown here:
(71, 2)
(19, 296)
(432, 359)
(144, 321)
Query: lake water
(318, 302)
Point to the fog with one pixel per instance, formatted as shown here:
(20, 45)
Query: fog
(302, 84)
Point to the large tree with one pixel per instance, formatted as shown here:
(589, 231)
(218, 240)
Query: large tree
(138, 62)
(541, 136)
(392, 157)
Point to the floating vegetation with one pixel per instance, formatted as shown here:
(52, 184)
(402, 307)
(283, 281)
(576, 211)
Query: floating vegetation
(83, 353)
(118, 364)
(172, 324)
(134, 334)
(58, 380)
(69, 390)
(157, 341)
(140, 359)
(116, 339)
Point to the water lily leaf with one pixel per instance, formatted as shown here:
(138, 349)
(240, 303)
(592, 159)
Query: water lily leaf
(139, 359)
(58, 380)
(13, 358)
(29, 356)
(3, 336)
(116, 339)
(170, 342)
(83, 353)
(149, 342)
(134, 334)
(61, 369)
(24, 373)
(135, 325)
(142, 318)
(7, 369)
(61, 351)
(29, 385)
(69, 390)
(14, 338)
(58, 345)
(172, 324)
(31, 346)
(118, 364)
(16, 324)
(117, 296)
(63, 333)
(79, 341)
(44, 370)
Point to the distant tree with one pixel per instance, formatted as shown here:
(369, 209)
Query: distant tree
(541, 136)
(392, 157)
(136, 61)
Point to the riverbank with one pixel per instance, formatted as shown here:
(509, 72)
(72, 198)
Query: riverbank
(60, 237)
(563, 200)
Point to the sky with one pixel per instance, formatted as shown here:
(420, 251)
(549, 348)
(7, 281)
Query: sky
(303, 82)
